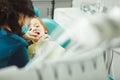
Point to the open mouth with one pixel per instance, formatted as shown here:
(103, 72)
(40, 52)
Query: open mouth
(37, 33)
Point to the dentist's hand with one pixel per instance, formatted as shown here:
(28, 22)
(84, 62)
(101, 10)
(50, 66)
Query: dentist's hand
(30, 36)
(44, 38)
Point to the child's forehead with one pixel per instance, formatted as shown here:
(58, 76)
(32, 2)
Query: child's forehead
(35, 20)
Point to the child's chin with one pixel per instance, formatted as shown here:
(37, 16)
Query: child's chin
(37, 36)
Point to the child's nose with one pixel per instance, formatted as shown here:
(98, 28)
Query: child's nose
(34, 29)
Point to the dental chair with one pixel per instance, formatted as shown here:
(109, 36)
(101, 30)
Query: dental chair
(107, 53)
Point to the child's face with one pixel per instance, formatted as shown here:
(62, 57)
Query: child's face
(37, 28)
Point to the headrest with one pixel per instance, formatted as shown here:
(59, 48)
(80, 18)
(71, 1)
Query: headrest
(50, 24)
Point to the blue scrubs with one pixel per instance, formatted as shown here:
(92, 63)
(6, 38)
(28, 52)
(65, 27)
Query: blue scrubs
(13, 50)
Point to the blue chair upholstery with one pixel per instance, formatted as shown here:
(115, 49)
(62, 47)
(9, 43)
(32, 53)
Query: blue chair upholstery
(50, 24)
(111, 77)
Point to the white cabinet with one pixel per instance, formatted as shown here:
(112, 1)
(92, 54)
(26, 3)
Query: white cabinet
(46, 6)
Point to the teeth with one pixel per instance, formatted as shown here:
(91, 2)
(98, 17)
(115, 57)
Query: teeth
(37, 32)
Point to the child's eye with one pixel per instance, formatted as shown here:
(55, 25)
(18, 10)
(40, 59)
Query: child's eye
(37, 25)
(30, 29)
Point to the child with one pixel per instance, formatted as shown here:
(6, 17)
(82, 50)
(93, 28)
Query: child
(41, 43)
(38, 28)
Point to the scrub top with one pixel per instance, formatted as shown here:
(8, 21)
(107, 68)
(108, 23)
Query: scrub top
(13, 50)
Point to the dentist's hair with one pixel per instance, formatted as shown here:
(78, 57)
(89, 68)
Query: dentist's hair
(9, 13)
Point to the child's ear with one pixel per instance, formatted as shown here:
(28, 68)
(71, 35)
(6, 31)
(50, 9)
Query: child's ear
(46, 32)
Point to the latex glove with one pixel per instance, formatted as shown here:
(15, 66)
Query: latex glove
(30, 36)
(43, 38)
